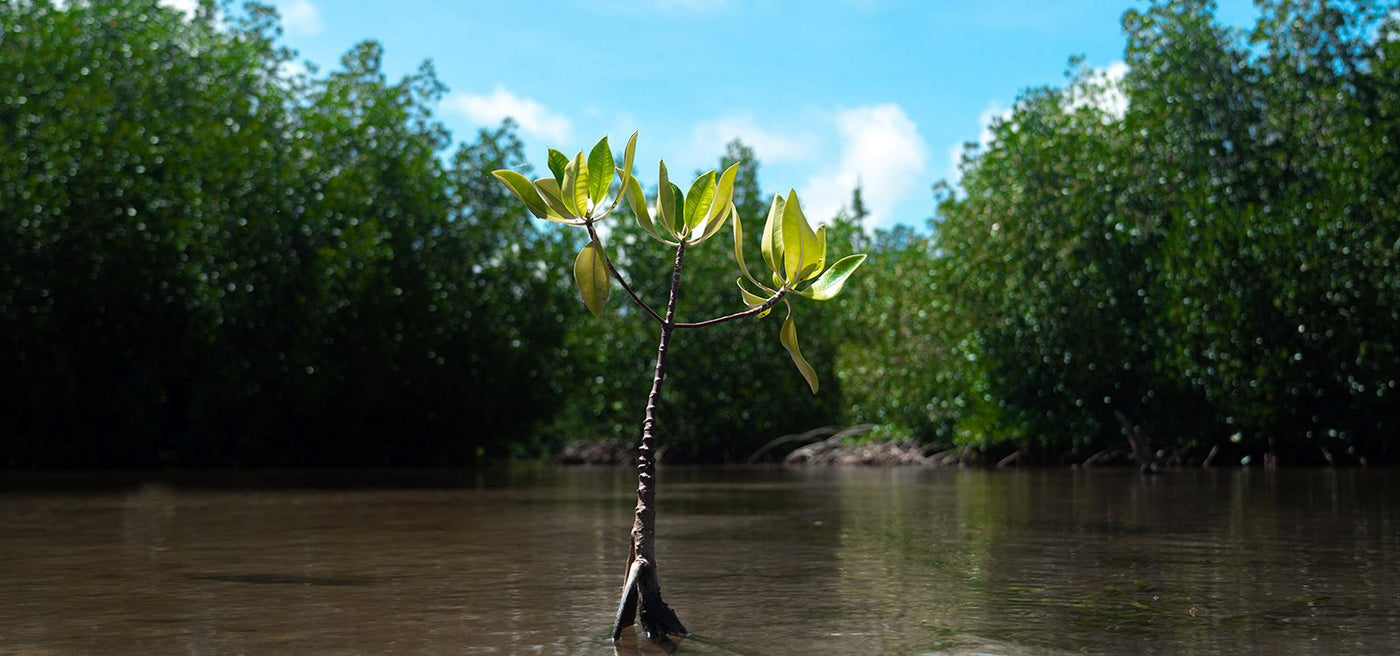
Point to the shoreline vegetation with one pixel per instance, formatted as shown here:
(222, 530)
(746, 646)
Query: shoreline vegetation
(213, 257)
(869, 445)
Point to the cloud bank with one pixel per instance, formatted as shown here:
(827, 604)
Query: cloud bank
(770, 145)
(301, 17)
(534, 118)
(882, 152)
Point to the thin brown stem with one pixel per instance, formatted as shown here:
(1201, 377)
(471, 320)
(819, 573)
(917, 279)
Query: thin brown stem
(754, 311)
(593, 234)
(643, 529)
(642, 591)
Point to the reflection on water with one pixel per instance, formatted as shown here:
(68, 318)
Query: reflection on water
(757, 561)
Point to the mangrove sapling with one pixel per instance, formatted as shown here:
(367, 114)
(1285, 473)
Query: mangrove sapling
(577, 195)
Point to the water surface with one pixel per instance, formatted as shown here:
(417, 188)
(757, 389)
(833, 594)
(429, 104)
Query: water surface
(756, 561)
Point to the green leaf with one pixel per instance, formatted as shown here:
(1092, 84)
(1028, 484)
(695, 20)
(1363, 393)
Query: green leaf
(549, 191)
(626, 171)
(600, 169)
(788, 336)
(793, 238)
(829, 283)
(664, 197)
(591, 274)
(813, 253)
(739, 246)
(521, 187)
(724, 192)
(557, 162)
(677, 209)
(750, 299)
(629, 154)
(575, 185)
(638, 201)
(698, 199)
(772, 244)
(713, 224)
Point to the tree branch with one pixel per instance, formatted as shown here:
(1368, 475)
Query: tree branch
(593, 234)
(767, 305)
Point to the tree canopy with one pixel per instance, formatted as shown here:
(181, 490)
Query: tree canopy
(208, 258)
(1210, 260)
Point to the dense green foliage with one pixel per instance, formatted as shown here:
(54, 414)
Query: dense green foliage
(1217, 263)
(206, 258)
(208, 261)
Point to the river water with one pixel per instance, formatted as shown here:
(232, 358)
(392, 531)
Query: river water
(755, 561)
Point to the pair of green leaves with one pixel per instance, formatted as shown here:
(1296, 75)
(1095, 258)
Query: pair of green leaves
(796, 257)
(690, 217)
(577, 195)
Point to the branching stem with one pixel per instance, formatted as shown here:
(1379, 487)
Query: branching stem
(668, 320)
(593, 234)
(754, 311)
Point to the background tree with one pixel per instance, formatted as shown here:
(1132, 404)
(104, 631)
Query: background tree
(1209, 263)
(210, 261)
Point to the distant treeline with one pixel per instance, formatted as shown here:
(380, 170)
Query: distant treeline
(207, 259)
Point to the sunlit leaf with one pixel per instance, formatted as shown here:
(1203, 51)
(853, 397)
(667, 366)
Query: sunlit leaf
(600, 170)
(739, 245)
(575, 185)
(549, 191)
(793, 238)
(629, 154)
(557, 162)
(750, 299)
(625, 173)
(591, 274)
(638, 202)
(753, 300)
(676, 209)
(829, 283)
(665, 216)
(788, 336)
(724, 191)
(772, 244)
(813, 253)
(521, 187)
(698, 199)
(713, 224)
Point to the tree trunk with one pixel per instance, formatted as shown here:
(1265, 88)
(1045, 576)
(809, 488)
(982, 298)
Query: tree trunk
(641, 591)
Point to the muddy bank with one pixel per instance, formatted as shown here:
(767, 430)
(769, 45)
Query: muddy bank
(867, 445)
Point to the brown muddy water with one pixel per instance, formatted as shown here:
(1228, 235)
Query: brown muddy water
(755, 561)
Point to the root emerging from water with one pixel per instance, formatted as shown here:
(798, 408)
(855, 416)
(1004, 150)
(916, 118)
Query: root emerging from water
(641, 598)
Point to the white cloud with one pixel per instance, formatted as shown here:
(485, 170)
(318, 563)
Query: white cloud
(882, 151)
(186, 6)
(710, 137)
(301, 17)
(535, 119)
(291, 69)
(1101, 89)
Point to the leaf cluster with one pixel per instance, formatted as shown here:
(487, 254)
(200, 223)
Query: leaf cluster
(794, 252)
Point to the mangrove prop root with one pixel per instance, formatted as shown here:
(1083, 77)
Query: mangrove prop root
(641, 597)
(627, 606)
(658, 620)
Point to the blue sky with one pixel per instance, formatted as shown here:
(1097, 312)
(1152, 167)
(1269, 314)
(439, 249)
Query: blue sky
(827, 92)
